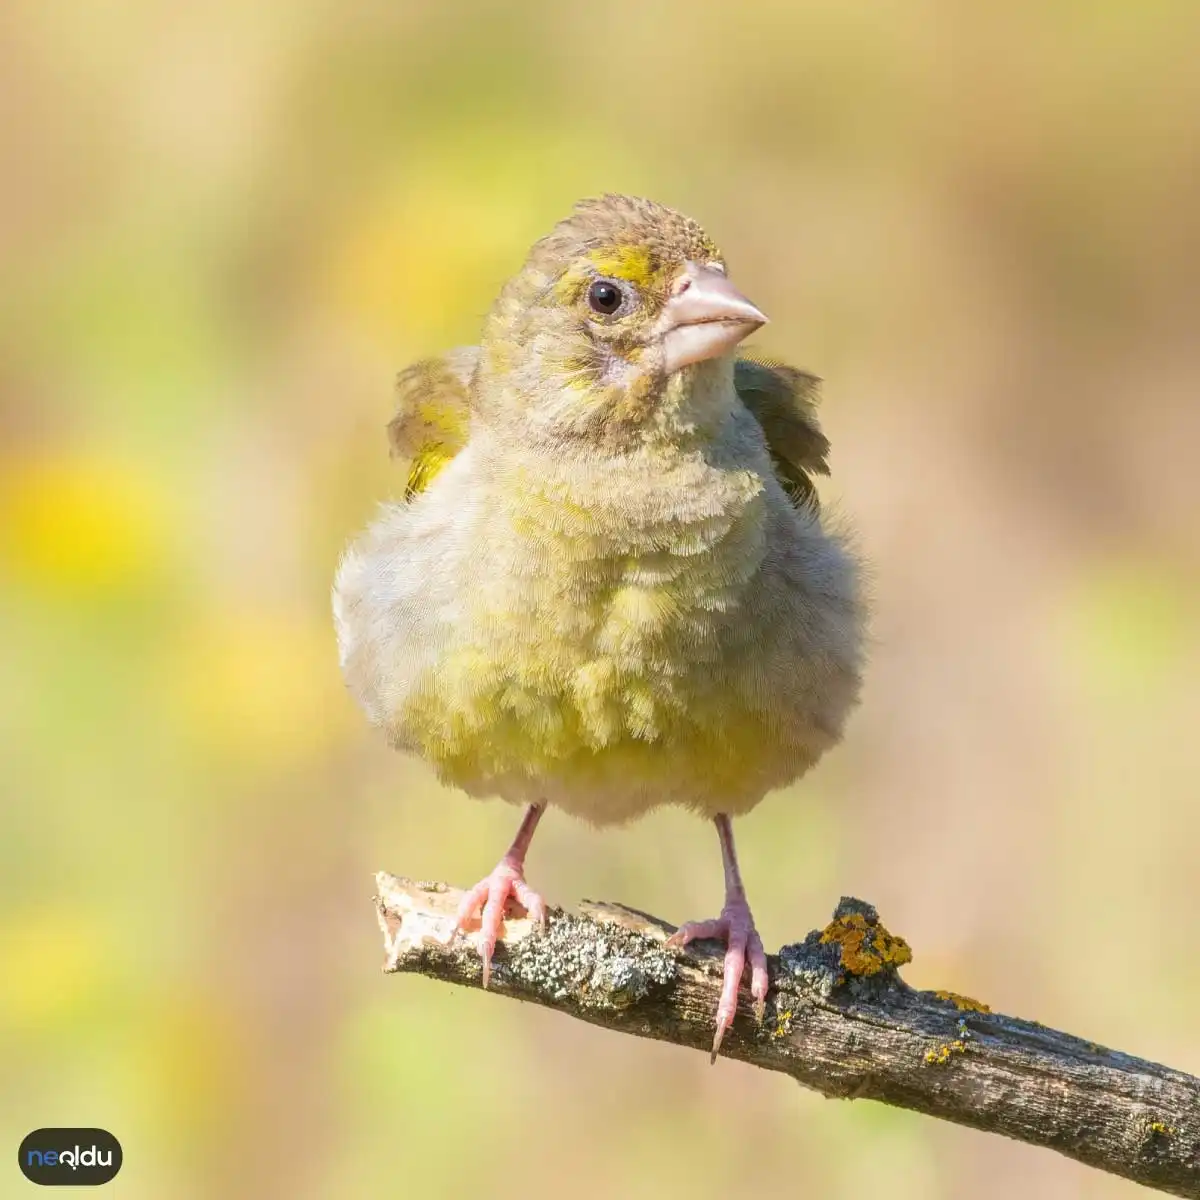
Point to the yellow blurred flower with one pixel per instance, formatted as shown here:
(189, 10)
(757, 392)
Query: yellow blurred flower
(55, 962)
(80, 524)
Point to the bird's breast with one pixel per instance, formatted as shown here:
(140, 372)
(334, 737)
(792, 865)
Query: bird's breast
(607, 640)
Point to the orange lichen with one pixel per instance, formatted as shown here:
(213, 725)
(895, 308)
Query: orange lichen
(963, 1003)
(867, 947)
(941, 1054)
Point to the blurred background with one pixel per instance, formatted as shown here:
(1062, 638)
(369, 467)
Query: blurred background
(224, 227)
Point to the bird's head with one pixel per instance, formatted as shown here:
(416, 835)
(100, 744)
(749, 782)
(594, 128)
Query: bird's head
(622, 321)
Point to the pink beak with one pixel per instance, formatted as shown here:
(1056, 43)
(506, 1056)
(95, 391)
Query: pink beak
(705, 318)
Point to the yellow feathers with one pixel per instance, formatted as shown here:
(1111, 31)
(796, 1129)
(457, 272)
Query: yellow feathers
(621, 594)
(432, 415)
(629, 261)
(632, 262)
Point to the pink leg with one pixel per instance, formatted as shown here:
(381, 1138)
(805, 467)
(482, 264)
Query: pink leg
(490, 895)
(735, 927)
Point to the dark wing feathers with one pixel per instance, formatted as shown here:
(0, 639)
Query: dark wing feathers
(784, 401)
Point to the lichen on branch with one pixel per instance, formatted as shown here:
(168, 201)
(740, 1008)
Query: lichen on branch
(839, 1019)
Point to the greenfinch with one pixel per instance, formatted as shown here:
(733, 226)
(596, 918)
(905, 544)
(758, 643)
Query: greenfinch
(609, 585)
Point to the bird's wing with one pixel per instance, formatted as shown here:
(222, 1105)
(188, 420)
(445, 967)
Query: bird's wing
(784, 401)
(432, 414)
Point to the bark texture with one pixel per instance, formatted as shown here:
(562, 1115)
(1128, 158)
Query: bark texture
(839, 1019)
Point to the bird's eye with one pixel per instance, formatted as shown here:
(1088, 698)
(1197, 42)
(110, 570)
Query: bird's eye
(604, 297)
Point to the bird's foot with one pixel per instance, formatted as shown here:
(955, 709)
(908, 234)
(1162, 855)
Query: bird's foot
(735, 927)
(488, 899)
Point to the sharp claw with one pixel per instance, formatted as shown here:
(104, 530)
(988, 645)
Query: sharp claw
(716, 1046)
(533, 904)
(488, 899)
(743, 949)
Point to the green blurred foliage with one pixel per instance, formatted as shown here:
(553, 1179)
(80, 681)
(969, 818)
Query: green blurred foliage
(224, 227)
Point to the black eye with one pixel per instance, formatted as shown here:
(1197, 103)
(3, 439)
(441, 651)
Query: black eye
(604, 297)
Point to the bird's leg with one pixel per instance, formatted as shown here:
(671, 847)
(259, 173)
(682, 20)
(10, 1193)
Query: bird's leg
(735, 927)
(490, 895)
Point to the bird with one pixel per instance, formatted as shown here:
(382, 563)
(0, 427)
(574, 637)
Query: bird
(610, 585)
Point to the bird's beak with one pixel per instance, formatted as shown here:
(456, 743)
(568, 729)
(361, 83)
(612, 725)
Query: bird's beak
(705, 317)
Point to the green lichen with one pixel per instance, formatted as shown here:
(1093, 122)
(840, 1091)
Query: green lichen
(963, 1003)
(942, 1054)
(596, 966)
(783, 1022)
(1155, 1132)
(812, 966)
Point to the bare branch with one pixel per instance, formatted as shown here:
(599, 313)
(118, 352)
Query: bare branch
(839, 1020)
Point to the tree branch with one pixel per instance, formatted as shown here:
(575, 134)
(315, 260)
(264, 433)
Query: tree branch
(839, 1020)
